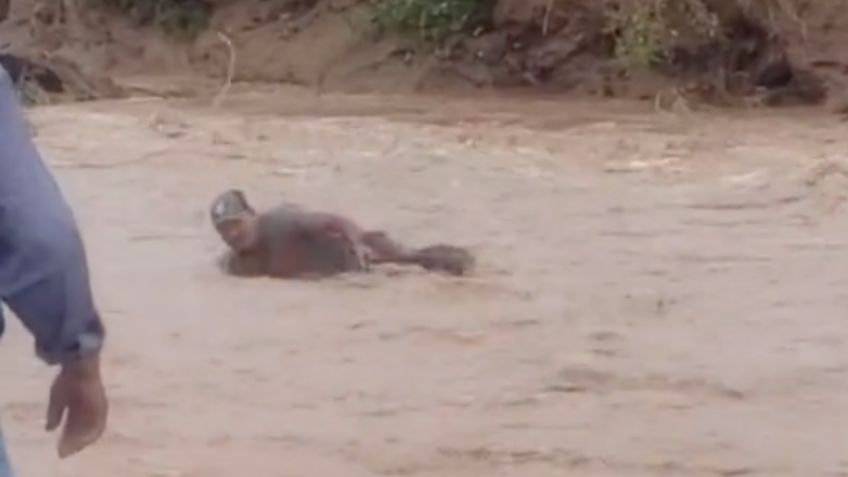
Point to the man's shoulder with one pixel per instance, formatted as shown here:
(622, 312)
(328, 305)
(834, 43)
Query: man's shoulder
(283, 211)
(284, 206)
(278, 218)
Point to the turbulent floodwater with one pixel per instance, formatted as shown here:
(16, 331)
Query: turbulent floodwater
(657, 294)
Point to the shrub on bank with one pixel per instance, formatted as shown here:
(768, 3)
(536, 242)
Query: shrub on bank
(430, 20)
(179, 18)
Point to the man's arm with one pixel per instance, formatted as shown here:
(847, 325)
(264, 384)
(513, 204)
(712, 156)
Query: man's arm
(43, 272)
(44, 279)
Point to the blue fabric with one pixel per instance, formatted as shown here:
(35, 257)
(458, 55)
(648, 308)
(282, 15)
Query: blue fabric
(5, 465)
(43, 272)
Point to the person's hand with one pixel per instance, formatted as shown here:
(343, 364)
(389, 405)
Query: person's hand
(78, 396)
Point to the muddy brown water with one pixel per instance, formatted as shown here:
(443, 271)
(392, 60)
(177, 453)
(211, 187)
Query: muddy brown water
(658, 294)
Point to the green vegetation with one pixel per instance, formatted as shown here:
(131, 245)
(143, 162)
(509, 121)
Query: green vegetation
(639, 33)
(31, 93)
(430, 20)
(646, 32)
(178, 18)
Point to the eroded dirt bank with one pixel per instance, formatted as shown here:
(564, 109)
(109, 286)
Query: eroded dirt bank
(674, 53)
(658, 295)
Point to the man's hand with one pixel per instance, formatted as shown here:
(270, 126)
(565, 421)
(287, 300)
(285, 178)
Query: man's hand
(78, 395)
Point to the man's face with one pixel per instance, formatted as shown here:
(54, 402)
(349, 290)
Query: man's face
(239, 232)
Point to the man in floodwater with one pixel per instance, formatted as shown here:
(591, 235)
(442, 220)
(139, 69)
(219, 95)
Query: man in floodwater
(44, 281)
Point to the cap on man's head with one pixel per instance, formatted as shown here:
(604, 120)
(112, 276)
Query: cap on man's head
(228, 205)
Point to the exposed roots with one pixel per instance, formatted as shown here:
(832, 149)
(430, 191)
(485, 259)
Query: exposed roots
(231, 70)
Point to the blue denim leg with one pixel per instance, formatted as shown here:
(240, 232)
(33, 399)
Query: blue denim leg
(5, 466)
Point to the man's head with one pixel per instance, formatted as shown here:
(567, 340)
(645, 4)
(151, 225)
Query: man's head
(235, 220)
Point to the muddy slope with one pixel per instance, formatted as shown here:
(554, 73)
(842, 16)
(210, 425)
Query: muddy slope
(771, 54)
